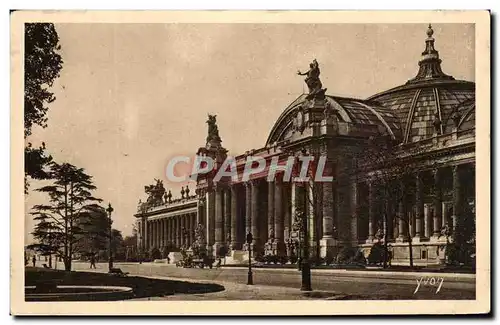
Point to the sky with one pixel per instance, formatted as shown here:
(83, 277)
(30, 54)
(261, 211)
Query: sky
(132, 95)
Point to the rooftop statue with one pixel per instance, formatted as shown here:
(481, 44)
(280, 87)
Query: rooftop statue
(213, 130)
(312, 80)
(155, 193)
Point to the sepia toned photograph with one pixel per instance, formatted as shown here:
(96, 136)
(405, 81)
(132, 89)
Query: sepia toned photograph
(173, 162)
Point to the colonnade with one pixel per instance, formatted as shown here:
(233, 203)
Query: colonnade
(175, 230)
(337, 213)
(265, 209)
(430, 203)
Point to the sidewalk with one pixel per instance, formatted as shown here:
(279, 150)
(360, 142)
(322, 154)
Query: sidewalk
(367, 273)
(235, 291)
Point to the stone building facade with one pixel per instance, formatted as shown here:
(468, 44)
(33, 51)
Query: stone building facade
(432, 113)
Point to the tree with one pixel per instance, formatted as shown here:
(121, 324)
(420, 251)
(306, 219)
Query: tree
(130, 244)
(117, 247)
(94, 234)
(47, 235)
(388, 168)
(42, 64)
(70, 200)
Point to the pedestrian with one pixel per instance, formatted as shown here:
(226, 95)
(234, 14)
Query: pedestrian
(92, 261)
(34, 260)
(219, 262)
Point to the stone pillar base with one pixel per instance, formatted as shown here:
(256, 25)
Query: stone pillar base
(235, 246)
(328, 247)
(216, 248)
(237, 257)
(401, 239)
(279, 248)
(256, 249)
(209, 250)
(438, 239)
(416, 239)
(174, 257)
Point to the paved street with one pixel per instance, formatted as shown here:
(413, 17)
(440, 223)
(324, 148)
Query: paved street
(363, 284)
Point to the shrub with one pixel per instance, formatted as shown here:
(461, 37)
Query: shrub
(283, 259)
(359, 257)
(222, 251)
(346, 255)
(259, 258)
(461, 254)
(376, 255)
(154, 253)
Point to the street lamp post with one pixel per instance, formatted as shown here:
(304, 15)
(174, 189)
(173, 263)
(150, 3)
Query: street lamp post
(110, 251)
(250, 275)
(305, 265)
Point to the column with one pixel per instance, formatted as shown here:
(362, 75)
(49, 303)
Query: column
(169, 231)
(210, 223)
(444, 219)
(144, 234)
(177, 231)
(166, 231)
(162, 232)
(165, 221)
(200, 214)
(327, 243)
(412, 217)
(235, 243)
(153, 232)
(389, 227)
(371, 213)
(255, 217)
(402, 225)
(427, 217)
(396, 222)
(227, 217)
(354, 212)
(219, 220)
(278, 217)
(138, 226)
(438, 204)
(172, 231)
(457, 197)
(288, 216)
(402, 218)
(152, 235)
(180, 229)
(311, 205)
(157, 233)
(188, 229)
(419, 199)
(271, 231)
(248, 208)
(293, 202)
(192, 229)
(183, 229)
